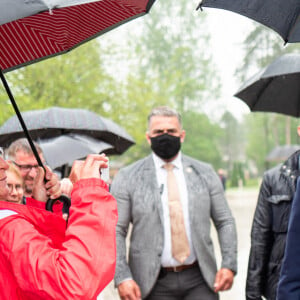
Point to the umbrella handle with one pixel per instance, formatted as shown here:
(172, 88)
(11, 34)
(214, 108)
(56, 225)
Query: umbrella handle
(64, 199)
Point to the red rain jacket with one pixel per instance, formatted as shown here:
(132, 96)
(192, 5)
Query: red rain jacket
(42, 258)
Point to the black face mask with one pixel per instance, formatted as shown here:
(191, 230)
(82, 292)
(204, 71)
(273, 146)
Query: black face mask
(165, 146)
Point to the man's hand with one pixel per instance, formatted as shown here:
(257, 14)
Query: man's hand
(224, 280)
(66, 186)
(129, 290)
(90, 168)
(51, 189)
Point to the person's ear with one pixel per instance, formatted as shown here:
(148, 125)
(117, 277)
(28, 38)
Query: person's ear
(182, 136)
(148, 138)
(298, 130)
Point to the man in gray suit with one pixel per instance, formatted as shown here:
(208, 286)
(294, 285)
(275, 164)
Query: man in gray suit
(141, 189)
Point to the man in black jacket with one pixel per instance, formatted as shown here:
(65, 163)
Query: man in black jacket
(269, 229)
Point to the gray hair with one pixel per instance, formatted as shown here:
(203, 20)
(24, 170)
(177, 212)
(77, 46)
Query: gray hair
(164, 111)
(23, 145)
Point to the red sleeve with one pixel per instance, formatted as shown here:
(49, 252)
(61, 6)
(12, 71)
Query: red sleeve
(84, 264)
(57, 207)
(35, 203)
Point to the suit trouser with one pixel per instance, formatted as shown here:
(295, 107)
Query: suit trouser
(185, 285)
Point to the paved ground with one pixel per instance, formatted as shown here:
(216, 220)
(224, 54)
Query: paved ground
(242, 203)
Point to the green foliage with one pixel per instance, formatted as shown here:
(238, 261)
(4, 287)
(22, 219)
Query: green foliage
(259, 144)
(172, 58)
(261, 47)
(202, 138)
(264, 132)
(253, 182)
(237, 176)
(70, 80)
(171, 67)
(6, 109)
(232, 141)
(169, 62)
(131, 110)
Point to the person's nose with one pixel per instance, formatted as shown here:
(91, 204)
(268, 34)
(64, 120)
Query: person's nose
(32, 173)
(13, 191)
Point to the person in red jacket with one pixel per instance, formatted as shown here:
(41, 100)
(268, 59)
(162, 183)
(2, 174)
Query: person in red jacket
(42, 256)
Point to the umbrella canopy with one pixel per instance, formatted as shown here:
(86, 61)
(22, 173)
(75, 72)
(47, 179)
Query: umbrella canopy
(56, 121)
(64, 149)
(281, 153)
(276, 88)
(281, 16)
(34, 30)
(37, 29)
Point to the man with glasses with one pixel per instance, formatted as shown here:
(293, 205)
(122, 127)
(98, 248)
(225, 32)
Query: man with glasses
(20, 154)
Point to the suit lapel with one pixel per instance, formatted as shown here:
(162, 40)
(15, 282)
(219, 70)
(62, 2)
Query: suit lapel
(153, 190)
(192, 184)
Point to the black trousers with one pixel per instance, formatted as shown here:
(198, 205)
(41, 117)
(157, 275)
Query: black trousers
(185, 285)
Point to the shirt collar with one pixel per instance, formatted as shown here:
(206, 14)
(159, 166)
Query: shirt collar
(158, 162)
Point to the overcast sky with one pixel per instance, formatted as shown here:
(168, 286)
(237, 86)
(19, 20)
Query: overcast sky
(228, 31)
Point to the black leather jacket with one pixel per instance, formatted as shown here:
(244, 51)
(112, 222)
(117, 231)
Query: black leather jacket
(269, 229)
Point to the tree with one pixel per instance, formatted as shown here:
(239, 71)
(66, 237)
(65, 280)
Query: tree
(166, 62)
(202, 138)
(264, 131)
(171, 66)
(172, 56)
(76, 79)
(261, 47)
(232, 141)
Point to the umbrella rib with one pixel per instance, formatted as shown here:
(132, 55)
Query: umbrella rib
(292, 28)
(262, 91)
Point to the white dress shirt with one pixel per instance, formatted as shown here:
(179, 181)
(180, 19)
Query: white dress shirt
(166, 259)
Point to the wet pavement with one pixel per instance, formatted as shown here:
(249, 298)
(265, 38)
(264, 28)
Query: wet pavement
(242, 203)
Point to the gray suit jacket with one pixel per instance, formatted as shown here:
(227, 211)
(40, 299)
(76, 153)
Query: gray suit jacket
(137, 193)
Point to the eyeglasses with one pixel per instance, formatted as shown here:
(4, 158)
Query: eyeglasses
(11, 187)
(26, 168)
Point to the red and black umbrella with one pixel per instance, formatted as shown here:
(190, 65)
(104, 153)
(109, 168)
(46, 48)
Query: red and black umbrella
(35, 30)
(31, 31)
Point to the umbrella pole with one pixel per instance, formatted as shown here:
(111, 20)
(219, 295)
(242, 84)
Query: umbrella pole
(50, 202)
(14, 104)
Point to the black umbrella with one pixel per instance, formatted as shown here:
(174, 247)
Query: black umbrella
(56, 121)
(276, 88)
(283, 16)
(281, 153)
(64, 149)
